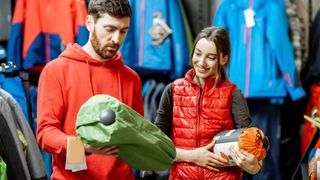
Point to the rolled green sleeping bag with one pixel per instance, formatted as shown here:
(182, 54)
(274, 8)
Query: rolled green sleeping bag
(141, 144)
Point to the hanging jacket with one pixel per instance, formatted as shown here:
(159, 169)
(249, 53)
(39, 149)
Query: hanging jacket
(297, 33)
(14, 86)
(308, 128)
(197, 118)
(64, 85)
(33, 156)
(10, 146)
(262, 59)
(42, 28)
(312, 74)
(172, 55)
(5, 17)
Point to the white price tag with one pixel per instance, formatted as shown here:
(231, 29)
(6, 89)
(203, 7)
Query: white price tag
(249, 17)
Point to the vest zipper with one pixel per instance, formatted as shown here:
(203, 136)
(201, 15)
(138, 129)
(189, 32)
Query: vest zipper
(198, 120)
(200, 170)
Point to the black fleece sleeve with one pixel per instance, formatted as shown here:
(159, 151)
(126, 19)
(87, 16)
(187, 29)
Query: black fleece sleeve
(164, 112)
(240, 110)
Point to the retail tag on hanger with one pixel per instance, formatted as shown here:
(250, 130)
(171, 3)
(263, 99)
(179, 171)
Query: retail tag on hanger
(249, 17)
(75, 158)
(159, 30)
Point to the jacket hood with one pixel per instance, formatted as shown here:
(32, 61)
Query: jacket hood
(254, 4)
(75, 52)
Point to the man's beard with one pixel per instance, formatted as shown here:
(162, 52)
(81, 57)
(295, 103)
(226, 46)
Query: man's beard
(103, 51)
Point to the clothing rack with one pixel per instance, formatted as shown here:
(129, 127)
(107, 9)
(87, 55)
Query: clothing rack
(7, 67)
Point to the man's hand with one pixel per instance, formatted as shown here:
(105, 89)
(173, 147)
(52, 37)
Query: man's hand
(103, 150)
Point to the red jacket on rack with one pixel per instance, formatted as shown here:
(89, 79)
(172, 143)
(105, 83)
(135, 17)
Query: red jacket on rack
(42, 28)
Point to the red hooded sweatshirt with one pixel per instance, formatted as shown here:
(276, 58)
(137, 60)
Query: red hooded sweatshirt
(64, 85)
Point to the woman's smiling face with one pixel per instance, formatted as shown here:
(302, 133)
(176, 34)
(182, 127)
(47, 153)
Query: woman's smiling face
(205, 59)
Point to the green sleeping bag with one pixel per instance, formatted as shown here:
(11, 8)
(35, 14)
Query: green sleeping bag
(141, 144)
(3, 170)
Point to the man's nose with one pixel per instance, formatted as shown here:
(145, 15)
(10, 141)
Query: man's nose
(115, 37)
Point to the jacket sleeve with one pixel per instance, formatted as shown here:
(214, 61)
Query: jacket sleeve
(81, 13)
(15, 39)
(179, 43)
(50, 111)
(282, 50)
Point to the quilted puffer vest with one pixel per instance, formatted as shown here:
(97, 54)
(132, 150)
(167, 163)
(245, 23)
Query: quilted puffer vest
(197, 116)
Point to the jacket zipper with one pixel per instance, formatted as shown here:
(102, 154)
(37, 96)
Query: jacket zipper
(248, 58)
(142, 11)
(202, 91)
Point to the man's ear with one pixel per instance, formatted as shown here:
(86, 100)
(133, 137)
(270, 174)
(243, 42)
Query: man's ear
(89, 23)
(224, 60)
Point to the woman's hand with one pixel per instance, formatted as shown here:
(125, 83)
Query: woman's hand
(103, 150)
(245, 160)
(202, 156)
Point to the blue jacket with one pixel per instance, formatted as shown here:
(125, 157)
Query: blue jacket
(262, 58)
(172, 56)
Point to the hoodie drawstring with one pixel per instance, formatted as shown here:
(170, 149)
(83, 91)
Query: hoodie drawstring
(120, 87)
(90, 82)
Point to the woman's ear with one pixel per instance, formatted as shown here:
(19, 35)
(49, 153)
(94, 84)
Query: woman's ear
(224, 60)
(89, 23)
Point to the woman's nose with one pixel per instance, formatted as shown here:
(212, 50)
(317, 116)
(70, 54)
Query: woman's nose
(202, 61)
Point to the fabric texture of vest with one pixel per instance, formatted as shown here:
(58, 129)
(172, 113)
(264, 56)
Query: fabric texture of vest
(199, 114)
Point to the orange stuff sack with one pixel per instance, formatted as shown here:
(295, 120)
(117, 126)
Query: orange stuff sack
(253, 141)
(314, 164)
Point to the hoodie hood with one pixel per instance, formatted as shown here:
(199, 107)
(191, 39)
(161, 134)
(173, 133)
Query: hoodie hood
(75, 52)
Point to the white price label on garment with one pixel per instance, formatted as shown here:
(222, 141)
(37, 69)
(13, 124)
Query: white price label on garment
(249, 17)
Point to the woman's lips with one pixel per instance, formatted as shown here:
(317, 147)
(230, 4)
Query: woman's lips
(201, 70)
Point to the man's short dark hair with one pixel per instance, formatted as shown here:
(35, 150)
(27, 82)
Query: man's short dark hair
(116, 8)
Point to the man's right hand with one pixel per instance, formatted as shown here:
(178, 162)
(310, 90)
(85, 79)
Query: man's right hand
(103, 150)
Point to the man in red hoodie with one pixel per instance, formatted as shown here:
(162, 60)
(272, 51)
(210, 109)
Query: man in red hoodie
(76, 75)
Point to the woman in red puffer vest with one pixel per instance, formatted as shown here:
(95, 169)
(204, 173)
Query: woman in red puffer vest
(195, 108)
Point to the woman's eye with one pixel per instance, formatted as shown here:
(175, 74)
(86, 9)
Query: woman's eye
(212, 58)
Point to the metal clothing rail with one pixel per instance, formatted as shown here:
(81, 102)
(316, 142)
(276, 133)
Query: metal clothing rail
(7, 67)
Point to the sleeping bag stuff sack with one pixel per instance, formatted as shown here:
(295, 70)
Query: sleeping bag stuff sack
(3, 170)
(251, 140)
(104, 121)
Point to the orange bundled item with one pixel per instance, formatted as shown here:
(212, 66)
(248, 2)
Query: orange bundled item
(251, 140)
(314, 164)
